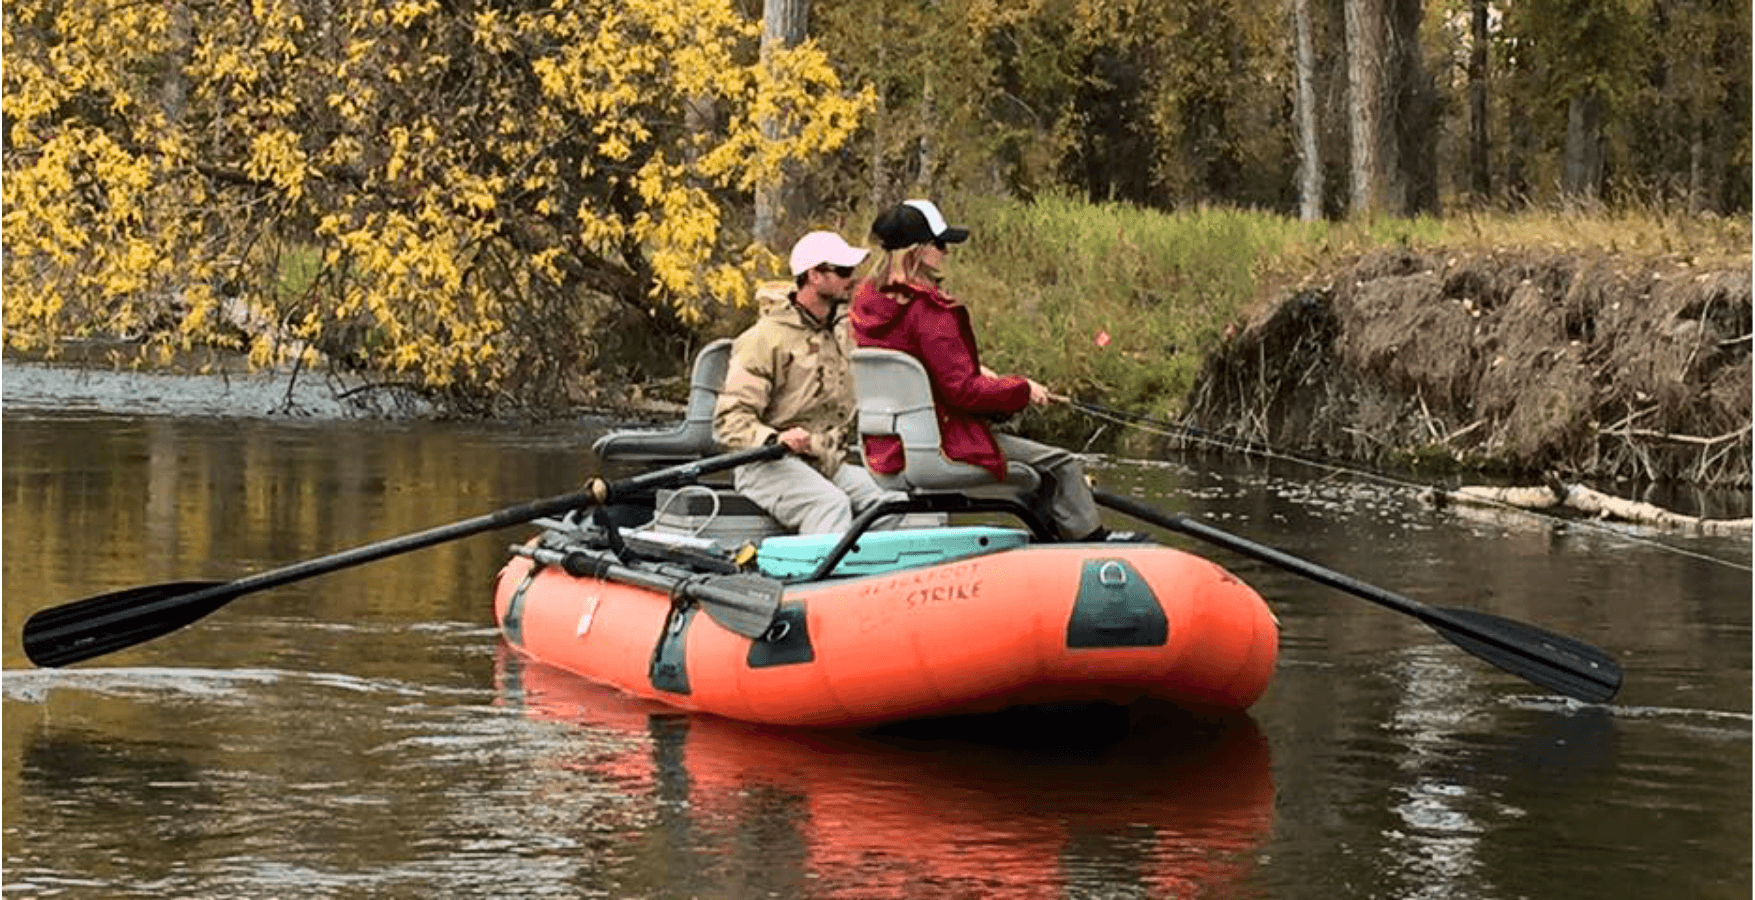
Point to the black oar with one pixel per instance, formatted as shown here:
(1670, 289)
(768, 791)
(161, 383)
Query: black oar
(744, 603)
(103, 624)
(1554, 661)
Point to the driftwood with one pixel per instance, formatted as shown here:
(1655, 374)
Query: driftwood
(1592, 503)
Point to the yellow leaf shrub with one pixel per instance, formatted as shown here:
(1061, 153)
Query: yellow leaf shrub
(397, 185)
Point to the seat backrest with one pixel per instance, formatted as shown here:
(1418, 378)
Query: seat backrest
(705, 383)
(693, 437)
(894, 396)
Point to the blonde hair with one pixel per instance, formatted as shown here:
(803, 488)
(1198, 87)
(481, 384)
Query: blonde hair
(900, 267)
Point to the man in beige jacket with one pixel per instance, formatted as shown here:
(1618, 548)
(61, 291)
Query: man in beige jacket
(789, 382)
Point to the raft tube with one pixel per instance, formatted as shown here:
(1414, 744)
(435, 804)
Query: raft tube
(1178, 805)
(1040, 624)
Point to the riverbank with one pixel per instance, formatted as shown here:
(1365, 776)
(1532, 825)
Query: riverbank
(1526, 364)
(1529, 346)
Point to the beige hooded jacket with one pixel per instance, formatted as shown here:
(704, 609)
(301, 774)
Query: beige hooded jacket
(786, 371)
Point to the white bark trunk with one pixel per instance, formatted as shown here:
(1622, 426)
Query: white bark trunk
(783, 25)
(1309, 153)
(928, 149)
(1365, 64)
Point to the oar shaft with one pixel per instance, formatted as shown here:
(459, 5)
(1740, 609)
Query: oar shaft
(1266, 554)
(1543, 657)
(324, 565)
(98, 625)
(505, 518)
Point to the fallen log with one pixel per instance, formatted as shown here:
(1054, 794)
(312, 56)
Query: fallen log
(1591, 503)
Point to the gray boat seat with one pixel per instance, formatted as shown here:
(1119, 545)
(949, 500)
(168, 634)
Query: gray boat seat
(894, 396)
(693, 437)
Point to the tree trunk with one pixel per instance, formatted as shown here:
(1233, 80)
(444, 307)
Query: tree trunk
(1411, 121)
(701, 116)
(1365, 79)
(1582, 177)
(1520, 134)
(1697, 172)
(928, 149)
(1592, 503)
(1480, 177)
(877, 167)
(1309, 152)
(783, 25)
(174, 89)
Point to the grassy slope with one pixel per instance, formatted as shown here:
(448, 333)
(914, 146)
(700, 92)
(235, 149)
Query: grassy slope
(1046, 280)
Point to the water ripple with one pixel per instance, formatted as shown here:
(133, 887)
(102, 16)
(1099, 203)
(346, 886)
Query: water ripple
(34, 685)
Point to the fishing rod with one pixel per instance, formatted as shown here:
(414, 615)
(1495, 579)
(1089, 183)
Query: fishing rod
(1167, 428)
(1177, 429)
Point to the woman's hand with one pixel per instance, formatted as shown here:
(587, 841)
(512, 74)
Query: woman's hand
(1039, 395)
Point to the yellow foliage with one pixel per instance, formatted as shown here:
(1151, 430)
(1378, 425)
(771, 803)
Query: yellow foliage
(445, 179)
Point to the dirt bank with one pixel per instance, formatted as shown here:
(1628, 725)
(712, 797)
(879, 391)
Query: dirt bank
(1516, 363)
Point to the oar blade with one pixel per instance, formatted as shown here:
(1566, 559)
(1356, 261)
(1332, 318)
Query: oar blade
(73, 632)
(1561, 664)
(743, 604)
(87, 628)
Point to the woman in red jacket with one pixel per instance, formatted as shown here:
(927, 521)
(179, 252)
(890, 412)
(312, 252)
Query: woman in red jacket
(901, 307)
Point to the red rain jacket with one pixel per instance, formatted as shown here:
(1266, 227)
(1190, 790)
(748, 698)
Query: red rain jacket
(930, 326)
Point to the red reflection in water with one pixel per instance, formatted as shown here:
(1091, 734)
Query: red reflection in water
(1006, 806)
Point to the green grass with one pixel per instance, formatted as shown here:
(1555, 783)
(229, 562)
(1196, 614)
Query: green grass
(297, 267)
(1044, 279)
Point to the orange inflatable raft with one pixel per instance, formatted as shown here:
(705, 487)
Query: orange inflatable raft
(1151, 804)
(977, 621)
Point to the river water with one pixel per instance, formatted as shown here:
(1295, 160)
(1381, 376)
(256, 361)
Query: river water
(365, 733)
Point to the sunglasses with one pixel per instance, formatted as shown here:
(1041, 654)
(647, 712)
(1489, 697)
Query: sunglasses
(840, 271)
(941, 245)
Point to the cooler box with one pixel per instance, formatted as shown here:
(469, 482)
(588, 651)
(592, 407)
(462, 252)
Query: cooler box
(884, 551)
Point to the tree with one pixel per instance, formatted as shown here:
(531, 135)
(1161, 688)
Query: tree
(1413, 113)
(1479, 161)
(1155, 103)
(1584, 56)
(785, 24)
(1393, 101)
(1369, 164)
(455, 193)
(1688, 116)
(1523, 108)
(1309, 146)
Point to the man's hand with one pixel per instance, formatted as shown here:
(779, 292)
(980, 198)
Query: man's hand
(1039, 395)
(797, 440)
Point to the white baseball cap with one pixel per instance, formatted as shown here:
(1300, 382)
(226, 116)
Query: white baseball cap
(824, 248)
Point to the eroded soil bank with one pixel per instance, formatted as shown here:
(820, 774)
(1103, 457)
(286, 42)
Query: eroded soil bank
(1519, 363)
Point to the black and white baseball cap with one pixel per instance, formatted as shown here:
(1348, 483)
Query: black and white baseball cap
(914, 222)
